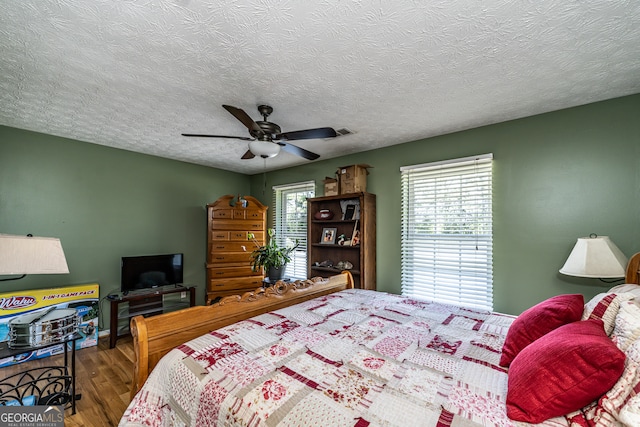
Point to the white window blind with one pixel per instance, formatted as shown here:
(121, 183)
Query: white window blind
(290, 223)
(446, 243)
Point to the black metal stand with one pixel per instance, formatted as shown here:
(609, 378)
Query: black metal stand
(52, 385)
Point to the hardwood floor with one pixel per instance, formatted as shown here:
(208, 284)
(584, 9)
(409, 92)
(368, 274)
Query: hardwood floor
(103, 377)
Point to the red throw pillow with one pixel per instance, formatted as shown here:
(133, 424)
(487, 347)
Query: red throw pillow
(562, 372)
(539, 320)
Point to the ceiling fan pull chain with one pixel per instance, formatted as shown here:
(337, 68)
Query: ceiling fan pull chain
(264, 178)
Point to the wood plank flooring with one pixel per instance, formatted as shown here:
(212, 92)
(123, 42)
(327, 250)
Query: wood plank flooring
(103, 377)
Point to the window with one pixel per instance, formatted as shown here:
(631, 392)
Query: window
(290, 223)
(446, 243)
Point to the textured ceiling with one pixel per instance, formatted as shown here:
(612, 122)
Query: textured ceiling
(135, 75)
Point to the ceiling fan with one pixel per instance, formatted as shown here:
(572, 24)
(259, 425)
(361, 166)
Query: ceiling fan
(266, 138)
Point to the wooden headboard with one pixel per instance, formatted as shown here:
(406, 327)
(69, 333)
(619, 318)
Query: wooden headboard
(633, 270)
(153, 337)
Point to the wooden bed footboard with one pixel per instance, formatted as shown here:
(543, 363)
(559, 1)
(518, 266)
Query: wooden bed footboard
(153, 337)
(633, 269)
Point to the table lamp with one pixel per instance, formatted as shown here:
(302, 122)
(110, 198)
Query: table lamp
(595, 257)
(31, 255)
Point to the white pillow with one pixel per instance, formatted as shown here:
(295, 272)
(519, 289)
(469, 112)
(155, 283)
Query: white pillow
(626, 287)
(605, 306)
(627, 325)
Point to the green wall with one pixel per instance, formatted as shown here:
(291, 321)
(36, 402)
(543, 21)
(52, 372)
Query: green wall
(557, 176)
(103, 204)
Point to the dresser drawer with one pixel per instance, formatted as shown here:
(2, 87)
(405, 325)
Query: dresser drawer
(219, 235)
(248, 283)
(237, 214)
(237, 224)
(229, 257)
(232, 246)
(222, 213)
(238, 236)
(243, 236)
(254, 215)
(227, 272)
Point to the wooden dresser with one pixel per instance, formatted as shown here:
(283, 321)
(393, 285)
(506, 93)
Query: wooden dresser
(229, 247)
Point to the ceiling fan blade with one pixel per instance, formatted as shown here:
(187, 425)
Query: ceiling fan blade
(244, 138)
(298, 151)
(244, 118)
(318, 133)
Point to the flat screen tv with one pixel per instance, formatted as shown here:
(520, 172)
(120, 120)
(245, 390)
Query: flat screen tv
(150, 271)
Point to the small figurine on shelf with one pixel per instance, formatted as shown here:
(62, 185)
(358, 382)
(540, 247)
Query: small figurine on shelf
(341, 239)
(344, 265)
(326, 263)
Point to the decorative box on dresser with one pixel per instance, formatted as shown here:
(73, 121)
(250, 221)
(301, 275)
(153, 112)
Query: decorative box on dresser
(361, 256)
(229, 226)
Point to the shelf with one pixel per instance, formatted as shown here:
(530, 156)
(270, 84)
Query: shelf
(324, 245)
(334, 221)
(126, 314)
(333, 270)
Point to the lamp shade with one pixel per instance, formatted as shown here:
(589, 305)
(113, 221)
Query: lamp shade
(264, 149)
(31, 255)
(595, 257)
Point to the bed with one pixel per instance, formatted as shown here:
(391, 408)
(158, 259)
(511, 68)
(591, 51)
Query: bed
(320, 353)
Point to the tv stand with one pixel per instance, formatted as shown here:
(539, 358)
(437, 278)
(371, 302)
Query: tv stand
(151, 302)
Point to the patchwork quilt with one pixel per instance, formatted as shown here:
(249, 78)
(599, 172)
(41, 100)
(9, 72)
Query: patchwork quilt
(354, 358)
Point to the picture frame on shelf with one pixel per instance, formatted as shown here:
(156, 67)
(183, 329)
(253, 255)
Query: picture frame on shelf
(328, 236)
(350, 209)
(349, 212)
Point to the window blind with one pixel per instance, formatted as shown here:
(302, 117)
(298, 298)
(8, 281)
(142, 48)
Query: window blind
(447, 243)
(290, 223)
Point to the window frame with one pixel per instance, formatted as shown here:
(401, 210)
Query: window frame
(447, 231)
(297, 269)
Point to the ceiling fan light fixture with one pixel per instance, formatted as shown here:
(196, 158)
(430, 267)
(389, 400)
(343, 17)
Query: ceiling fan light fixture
(266, 137)
(264, 149)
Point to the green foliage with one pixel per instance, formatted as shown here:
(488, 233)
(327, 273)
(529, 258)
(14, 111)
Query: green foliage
(271, 255)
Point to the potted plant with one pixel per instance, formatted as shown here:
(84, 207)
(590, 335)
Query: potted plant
(271, 257)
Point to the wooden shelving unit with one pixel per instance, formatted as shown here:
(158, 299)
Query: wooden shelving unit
(361, 256)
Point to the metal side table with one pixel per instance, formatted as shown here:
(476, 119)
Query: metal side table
(50, 385)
